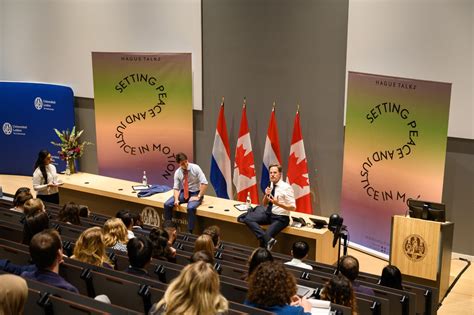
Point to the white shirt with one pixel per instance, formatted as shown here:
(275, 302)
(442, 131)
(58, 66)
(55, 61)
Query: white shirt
(196, 177)
(298, 263)
(283, 194)
(39, 184)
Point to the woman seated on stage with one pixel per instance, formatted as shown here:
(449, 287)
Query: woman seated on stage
(90, 248)
(273, 288)
(195, 291)
(115, 234)
(45, 178)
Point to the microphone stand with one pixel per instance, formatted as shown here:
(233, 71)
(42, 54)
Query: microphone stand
(341, 234)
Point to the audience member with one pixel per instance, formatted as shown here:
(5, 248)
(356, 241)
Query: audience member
(47, 254)
(137, 221)
(84, 211)
(172, 230)
(115, 234)
(215, 233)
(339, 290)
(34, 223)
(202, 255)
(278, 201)
(273, 288)
(69, 214)
(20, 190)
(126, 218)
(45, 178)
(189, 186)
(258, 256)
(19, 201)
(150, 216)
(195, 291)
(204, 242)
(299, 252)
(391, 277)
(33, 205)
(349, 267)
(161, 248)
(90, 248)
(139, 251)
(13, 294)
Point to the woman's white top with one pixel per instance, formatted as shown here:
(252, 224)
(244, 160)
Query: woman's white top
(39, 184)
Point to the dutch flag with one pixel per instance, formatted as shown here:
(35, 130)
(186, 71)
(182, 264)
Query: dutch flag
(221, 178)
(271, 152)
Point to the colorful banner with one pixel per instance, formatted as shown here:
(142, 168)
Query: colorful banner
(394, 149)
(143, 112)
(28, 114)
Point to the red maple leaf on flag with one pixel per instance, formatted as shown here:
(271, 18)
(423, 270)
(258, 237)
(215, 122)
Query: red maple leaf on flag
(245, 162)
(298, 170)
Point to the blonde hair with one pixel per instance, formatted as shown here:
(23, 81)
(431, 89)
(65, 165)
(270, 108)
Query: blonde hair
(115, 231)
(195, 291)
(90, 247)
(150, 216)
(13, 294)
(204, 242)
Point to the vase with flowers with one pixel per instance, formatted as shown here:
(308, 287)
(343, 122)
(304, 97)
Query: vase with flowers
(71, 148)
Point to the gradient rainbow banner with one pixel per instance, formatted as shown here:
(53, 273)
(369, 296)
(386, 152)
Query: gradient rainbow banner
(394, 149)
(143, 113)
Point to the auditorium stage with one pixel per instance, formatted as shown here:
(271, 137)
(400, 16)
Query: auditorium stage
(107, 195)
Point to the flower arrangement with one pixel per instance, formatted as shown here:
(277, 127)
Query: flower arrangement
(70, 146)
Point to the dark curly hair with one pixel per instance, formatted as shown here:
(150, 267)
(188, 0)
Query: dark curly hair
(339, 290)
(271, 284)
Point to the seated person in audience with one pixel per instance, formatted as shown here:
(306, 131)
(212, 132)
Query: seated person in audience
(278, 202)
(33, 205)
(126, 218)
(13, 294)
(34, 223)
(115, 234)
(202, 255)
(215, 233)
(84, 211)
(69, 214)
(339, 290)
(47, 253)
(139, 251)
(90, 248)
(196, 291)
(21, 190)
(273, 288)
(15, 269)
(172, 230)
(204, 242)
(19, 201)
(137, 221)
(161, 248)
(258, 256)
(299, 252)
(349, 267)
(150, 216)
(391, 277)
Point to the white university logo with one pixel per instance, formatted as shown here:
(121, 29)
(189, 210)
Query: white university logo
(38, 103)
(7, 128)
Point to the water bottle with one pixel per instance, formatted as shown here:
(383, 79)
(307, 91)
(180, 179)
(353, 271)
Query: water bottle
(144, 179)
(248, 201)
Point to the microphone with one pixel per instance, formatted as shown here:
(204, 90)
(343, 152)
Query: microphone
(271, 187)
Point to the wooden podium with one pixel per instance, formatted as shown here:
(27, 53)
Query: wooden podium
(421, 249)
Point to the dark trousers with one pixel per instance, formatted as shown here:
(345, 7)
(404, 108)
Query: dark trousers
(276, 222)
(192, 206)
(53, 198)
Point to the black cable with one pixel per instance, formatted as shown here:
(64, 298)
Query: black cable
(455, 280)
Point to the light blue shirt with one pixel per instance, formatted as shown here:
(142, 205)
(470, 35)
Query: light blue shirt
(196, 177)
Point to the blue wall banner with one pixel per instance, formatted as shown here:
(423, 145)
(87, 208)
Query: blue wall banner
(28, 114)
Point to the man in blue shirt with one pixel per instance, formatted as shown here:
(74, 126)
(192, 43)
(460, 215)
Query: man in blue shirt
(189, 186)
(47, 254)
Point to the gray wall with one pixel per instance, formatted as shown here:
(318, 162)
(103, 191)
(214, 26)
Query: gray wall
(291, 52)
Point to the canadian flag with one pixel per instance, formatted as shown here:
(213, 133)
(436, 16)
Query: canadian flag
(297, 175)
(271, 153)
(245, 178)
